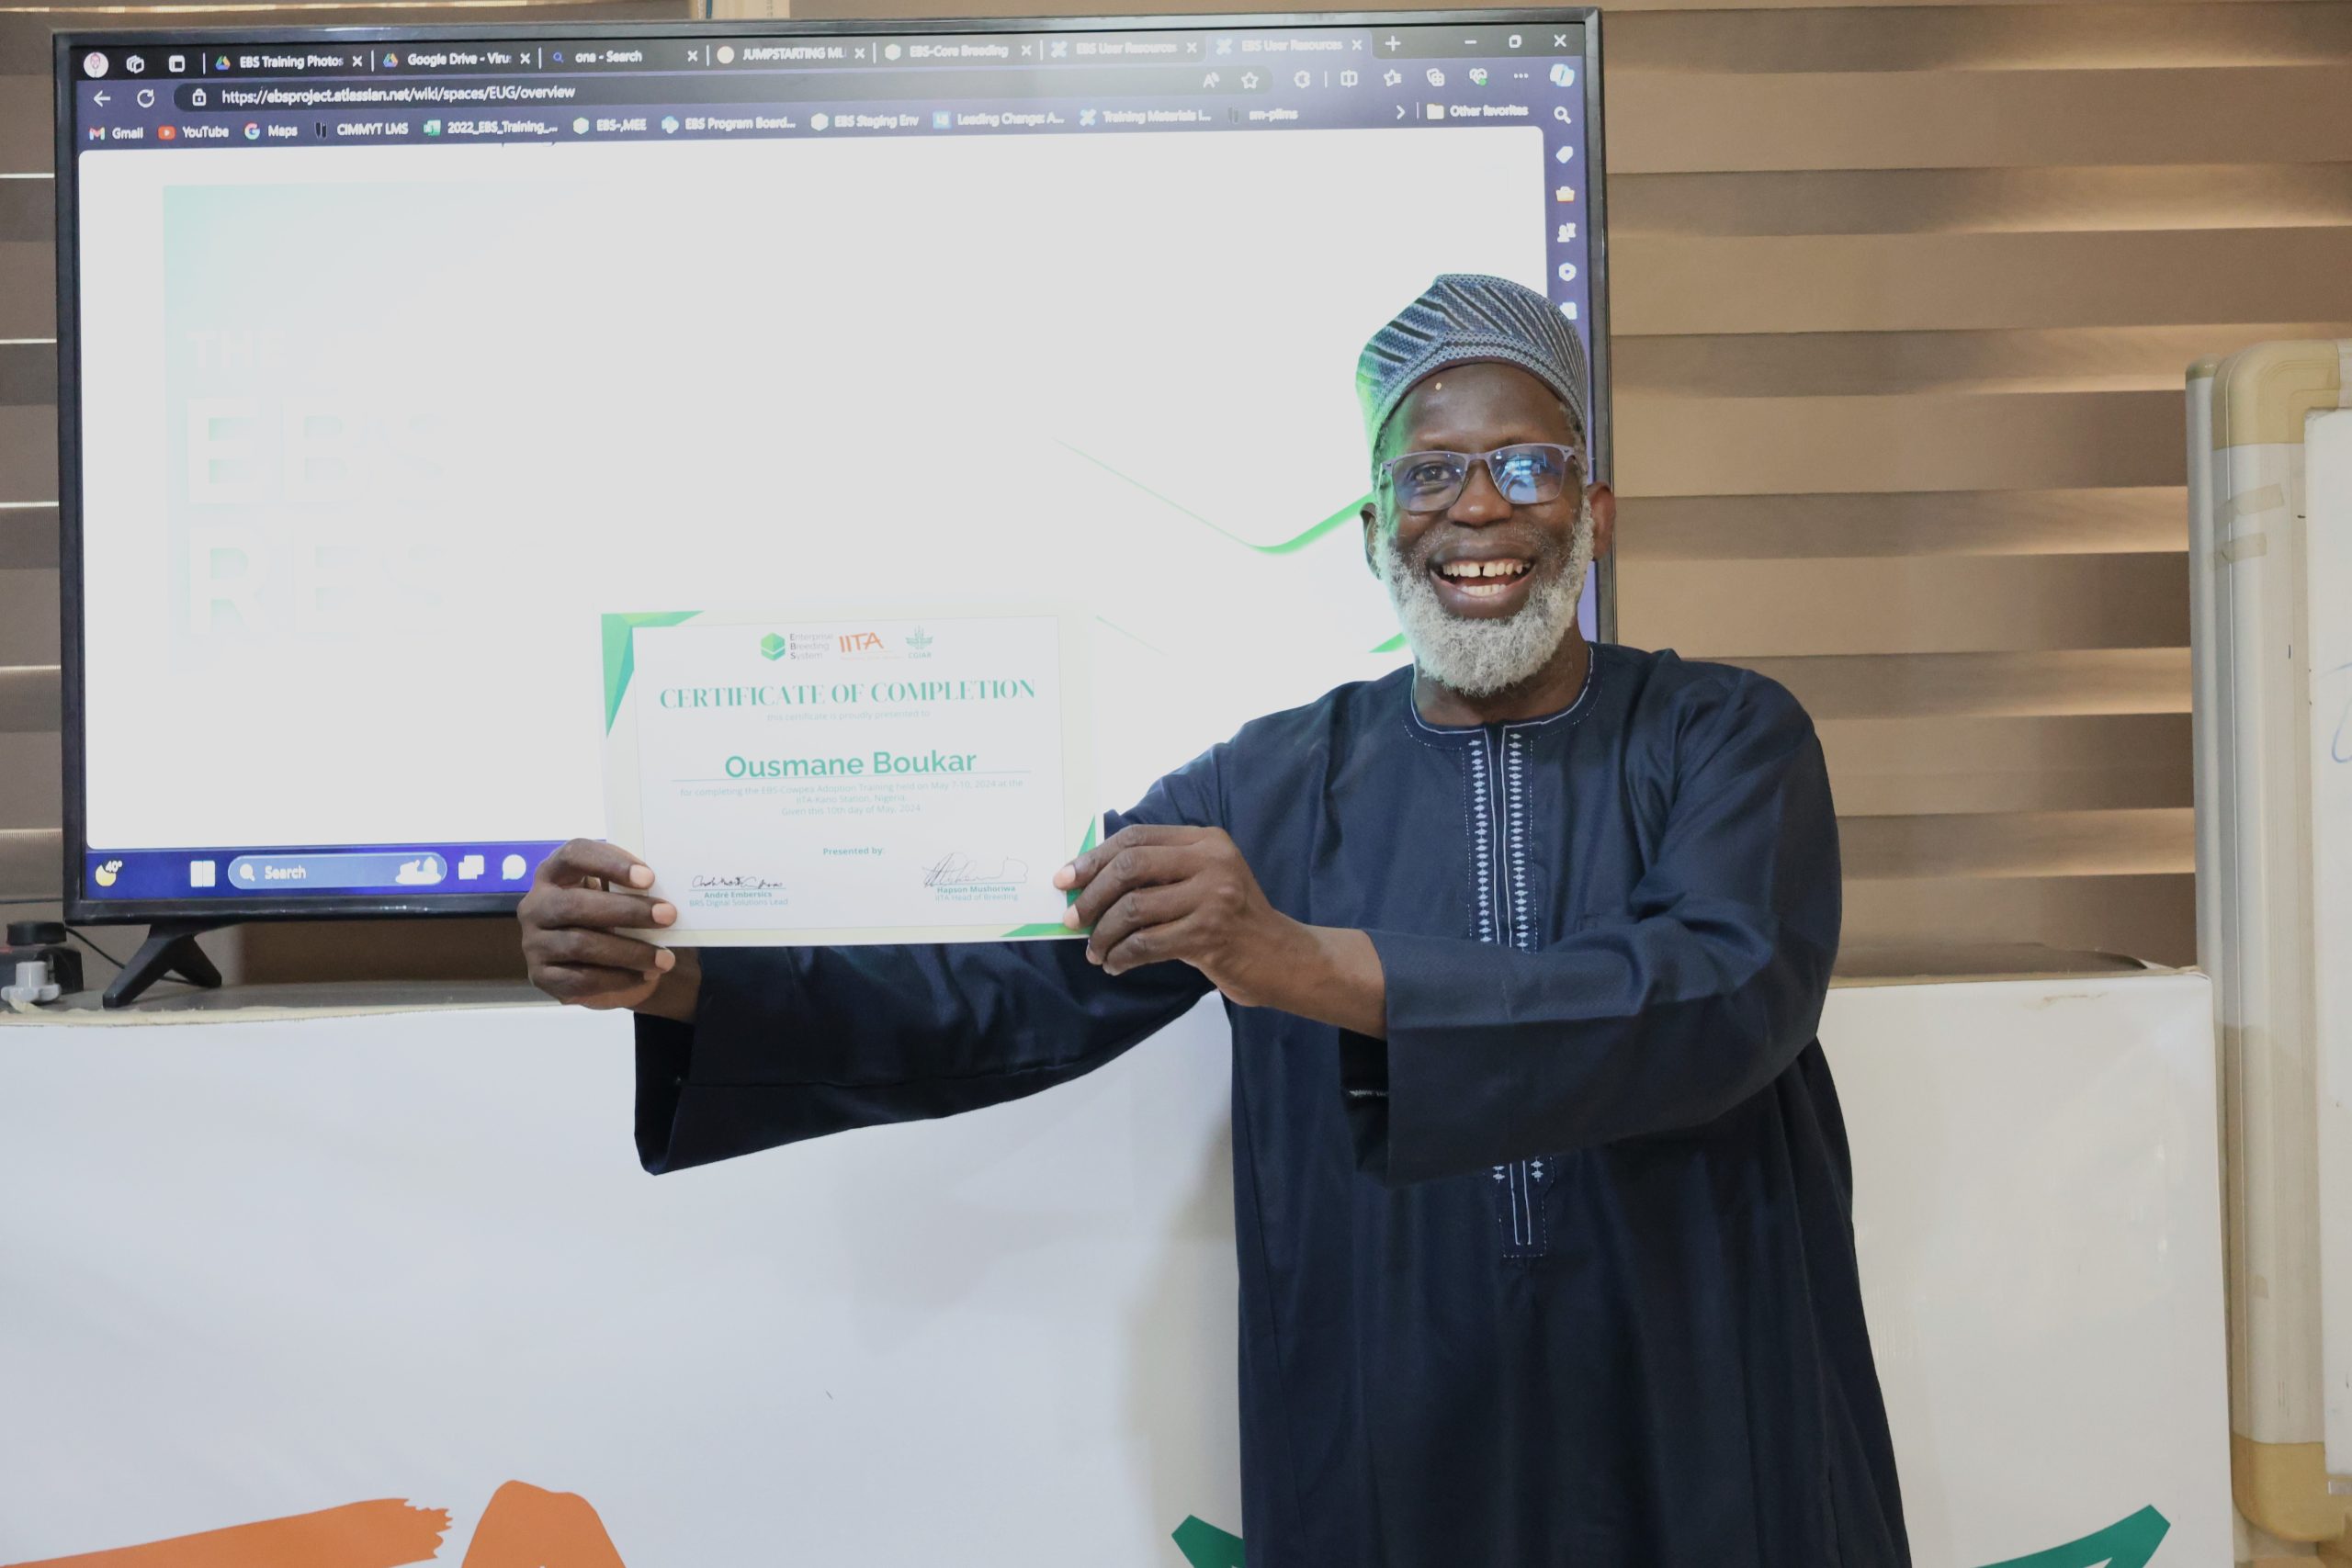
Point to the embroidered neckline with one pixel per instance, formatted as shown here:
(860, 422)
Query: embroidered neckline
(1574, 712)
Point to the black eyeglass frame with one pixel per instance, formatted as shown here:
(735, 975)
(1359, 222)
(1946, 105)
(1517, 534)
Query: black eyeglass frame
(1571, 459)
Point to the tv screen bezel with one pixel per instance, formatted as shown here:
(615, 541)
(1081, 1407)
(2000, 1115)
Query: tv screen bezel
(230, 909)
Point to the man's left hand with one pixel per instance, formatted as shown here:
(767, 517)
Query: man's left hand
(1156, 894)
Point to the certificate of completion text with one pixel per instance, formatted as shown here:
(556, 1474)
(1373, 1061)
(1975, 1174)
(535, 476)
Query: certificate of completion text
(827, 777)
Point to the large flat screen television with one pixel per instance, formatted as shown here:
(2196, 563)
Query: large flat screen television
(392, 357)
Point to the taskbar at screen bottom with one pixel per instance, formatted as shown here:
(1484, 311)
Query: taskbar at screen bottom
(340, 871)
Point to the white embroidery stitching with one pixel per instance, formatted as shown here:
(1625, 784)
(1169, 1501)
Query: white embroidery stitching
(1515, 806)
(1497, 887)
(1526, 1175)
(1522, 1180)
(1481, 841)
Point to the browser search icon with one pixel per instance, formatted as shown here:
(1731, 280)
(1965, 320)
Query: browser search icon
(1560, 115)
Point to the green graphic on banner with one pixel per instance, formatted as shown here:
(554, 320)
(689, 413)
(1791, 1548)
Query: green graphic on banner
(2129, 1542)
(1347, 514)
(1205, 1546)
(620, 652)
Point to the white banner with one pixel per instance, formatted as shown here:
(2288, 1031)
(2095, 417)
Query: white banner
(361, 1290)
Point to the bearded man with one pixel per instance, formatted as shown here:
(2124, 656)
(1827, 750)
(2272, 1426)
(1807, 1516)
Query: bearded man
(1541, 1188)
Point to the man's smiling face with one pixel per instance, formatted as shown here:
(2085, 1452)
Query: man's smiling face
(1482, 555)
(1486, 590)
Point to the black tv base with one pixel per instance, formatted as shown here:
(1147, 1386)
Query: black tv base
(170, 950)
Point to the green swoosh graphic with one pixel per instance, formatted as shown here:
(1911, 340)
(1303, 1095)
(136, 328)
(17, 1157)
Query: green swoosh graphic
(1205, 1546)
(1288, 546)
(620, 652)
(1392, 645)
(2129, 1542)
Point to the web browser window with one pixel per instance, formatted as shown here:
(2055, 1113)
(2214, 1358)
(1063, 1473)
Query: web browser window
(401, 359)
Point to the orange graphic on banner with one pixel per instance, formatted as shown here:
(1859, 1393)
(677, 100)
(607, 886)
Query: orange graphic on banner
(524, 1526)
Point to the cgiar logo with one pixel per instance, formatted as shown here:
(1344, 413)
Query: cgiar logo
(919, 643)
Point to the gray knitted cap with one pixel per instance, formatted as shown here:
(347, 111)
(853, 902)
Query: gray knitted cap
(1464, 317)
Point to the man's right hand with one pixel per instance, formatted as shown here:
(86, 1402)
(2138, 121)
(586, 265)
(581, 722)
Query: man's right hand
(585, 895)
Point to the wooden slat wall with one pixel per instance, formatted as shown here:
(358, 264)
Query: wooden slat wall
(1903, 299)
(1902, 295)
(29, 800)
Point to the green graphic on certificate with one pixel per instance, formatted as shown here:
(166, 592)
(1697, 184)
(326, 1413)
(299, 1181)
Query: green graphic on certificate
(832, 776)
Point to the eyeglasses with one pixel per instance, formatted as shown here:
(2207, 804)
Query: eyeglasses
(1526, 475)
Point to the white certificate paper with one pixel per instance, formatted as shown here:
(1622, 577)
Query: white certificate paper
(826, 777)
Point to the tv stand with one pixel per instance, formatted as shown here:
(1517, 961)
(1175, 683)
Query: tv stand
(170, 950)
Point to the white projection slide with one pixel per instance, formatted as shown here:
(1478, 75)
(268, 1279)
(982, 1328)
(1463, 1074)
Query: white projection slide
(372, 436)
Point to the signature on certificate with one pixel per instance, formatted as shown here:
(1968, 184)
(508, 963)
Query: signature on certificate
(956, 869)
(738, 881)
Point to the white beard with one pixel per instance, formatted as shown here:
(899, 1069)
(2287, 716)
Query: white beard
(1476, 657)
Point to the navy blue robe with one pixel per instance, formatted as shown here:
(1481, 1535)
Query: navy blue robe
(1563, 1272)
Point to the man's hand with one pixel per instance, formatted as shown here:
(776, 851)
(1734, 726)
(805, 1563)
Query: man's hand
(1153, 895)
(572, 917)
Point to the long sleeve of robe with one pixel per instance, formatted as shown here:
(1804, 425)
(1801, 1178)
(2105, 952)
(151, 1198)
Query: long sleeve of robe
(1667, 1014)
(792, 1042)
(1561, 1271)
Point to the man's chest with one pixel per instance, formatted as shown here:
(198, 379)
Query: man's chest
(1512, 838)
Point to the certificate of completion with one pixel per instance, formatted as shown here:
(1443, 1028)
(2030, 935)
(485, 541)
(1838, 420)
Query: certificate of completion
(822, 777)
